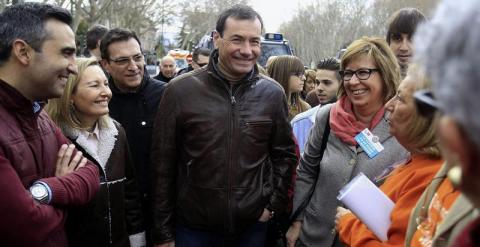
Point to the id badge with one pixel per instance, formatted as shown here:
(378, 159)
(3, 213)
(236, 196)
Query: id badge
(369, 143)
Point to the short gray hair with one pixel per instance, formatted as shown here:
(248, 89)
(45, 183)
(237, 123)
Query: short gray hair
(168, 57)
(449, 48)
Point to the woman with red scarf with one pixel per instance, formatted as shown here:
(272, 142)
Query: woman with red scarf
(370, 76)
(406, 183)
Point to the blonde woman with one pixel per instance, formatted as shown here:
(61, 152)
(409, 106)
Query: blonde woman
(113, 217)
(406, 183)
(370, 75)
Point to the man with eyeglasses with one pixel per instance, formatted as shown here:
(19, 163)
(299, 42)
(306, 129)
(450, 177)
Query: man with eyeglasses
(135, 100)
(200, 57)
(222, 148)
(41, 176)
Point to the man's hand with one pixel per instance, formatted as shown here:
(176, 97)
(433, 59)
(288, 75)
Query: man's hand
(167, 244)
(266, 215)
(293, 233)
(340, 213)
(65, 163)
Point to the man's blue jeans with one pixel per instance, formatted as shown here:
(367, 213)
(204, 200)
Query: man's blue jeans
(254, 236)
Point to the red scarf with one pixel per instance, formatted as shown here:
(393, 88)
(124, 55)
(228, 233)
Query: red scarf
(345, 125)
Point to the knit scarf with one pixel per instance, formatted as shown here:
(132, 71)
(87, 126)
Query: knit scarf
(345, 125)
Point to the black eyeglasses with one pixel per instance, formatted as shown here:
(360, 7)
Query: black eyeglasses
(425, 102)
(122, 61)
(362, 74)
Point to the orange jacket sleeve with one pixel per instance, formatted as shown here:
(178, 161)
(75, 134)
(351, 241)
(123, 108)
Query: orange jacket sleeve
(405, 195)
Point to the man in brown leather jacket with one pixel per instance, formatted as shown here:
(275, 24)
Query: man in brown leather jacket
(222, 146)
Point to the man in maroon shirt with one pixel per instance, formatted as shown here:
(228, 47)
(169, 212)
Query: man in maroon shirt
(41, 176)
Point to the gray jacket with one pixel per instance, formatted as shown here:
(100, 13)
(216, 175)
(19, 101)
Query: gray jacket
(339, 165)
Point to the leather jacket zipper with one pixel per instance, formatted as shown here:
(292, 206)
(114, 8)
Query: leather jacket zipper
(230, 224)
(230, 157)
(109, 213)
(233, 102)
(109, 217)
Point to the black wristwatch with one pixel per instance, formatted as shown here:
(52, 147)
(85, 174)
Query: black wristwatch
(40, 192)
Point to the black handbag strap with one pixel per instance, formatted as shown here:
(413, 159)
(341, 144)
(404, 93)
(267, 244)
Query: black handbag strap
(326, 133)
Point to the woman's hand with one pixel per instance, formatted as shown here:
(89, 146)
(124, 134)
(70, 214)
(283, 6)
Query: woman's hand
(340, 213)
(293, 233)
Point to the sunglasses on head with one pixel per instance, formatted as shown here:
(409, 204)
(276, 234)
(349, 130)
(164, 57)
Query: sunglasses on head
(425, 103)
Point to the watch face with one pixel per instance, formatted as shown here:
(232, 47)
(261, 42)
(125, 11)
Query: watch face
(38, 191)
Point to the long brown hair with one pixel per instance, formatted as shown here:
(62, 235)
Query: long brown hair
(281, 68)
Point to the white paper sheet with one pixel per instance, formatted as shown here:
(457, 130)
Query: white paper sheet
(368, 203)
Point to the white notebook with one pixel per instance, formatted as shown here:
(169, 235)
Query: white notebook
(369, 204)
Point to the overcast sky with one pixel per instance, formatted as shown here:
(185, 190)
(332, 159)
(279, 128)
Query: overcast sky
(275, 12)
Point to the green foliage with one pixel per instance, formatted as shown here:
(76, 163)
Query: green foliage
(80, 37)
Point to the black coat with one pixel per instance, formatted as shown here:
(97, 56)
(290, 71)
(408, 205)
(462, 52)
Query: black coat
(136, 113)
(161, 77)
(185, 70)
(115, 212)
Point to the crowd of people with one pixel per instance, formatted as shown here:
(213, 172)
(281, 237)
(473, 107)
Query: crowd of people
(95, 152)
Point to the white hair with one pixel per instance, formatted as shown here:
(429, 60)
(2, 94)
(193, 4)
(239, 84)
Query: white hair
(449, 48)
(168, 58)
